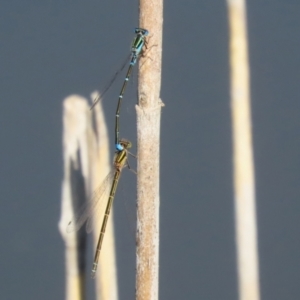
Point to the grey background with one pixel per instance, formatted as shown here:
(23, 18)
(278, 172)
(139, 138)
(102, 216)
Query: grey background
(51, 49)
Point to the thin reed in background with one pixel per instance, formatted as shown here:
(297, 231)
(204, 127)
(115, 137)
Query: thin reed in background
(243, 163)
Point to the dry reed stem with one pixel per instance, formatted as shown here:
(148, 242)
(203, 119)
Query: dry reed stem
(106, 279)
(148, 132)
(74, 128)
(244, 182)
(83, 161)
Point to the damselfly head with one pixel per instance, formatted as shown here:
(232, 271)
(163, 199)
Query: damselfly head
(141, 31)
(125, 143)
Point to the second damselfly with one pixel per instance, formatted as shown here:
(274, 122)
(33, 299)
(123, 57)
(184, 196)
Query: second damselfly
(89, 210)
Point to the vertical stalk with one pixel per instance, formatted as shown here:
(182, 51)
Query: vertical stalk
(76, 173)
(86, 163)
(244, 182)
(106, 279)
(148, 133)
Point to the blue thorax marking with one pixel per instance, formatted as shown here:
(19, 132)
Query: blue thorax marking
(119, 147)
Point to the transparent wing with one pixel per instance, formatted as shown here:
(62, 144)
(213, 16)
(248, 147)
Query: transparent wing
(110, 82)
(92, 207)
(98, 210)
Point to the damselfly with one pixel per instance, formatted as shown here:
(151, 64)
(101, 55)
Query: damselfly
(136, 49)
(89, 209)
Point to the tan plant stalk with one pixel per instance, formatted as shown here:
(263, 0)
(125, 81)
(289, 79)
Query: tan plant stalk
(85, 155)
(106, 280)
(243, 164)
(148, 133)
